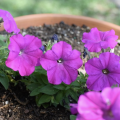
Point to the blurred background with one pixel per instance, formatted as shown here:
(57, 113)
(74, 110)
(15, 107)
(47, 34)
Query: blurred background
(107, 10)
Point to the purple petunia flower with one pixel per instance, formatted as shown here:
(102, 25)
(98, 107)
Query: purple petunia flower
(24, 53)
(96, 40)
(9, 22)
(99, 106)
(103, 71)
(61, 63)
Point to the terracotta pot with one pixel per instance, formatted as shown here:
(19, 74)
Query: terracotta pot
(40, 19)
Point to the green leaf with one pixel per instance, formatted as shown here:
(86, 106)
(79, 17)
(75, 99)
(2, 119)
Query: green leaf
(36, 91)
(2, 38)
(37, 99)
(74, 95)
(72, 117)
(45, 105)
(44, 98)
(4, 80)
(32, 86)
(59, 96)
(48, 89)
(44, 78)
(75, 83)
(82, 78)
(68, 87)
(59, 87)
(40, 70)
(36, 77)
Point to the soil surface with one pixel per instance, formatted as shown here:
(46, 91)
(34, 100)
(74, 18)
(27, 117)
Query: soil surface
(15, 103)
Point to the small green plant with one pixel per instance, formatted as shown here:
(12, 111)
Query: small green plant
(48, 94)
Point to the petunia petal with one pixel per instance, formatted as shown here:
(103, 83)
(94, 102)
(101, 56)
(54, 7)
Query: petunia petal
(9, 23)
(16, 39)
(32, 43)
(48, 60)
(98, 82)
(93, 67)
(58, 74)
(90, 105)
(73, 108)
(93, 47)
(13, 61)
(92, 36)
(62, 49)
(110, 38)
(112, 98)
(26, 68)
(107, 59)
(73, 60)
(72, 72)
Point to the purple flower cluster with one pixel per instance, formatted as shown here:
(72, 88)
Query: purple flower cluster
(62, 64)
(98, 106)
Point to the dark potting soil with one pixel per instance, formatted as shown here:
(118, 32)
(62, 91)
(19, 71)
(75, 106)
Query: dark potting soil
(15, 103)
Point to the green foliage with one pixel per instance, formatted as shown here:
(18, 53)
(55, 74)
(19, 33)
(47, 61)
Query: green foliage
(72, 117)
(48, 94)
(4, 79)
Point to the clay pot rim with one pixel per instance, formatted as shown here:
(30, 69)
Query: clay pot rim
(40, 19)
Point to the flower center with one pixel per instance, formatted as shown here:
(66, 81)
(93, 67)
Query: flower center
(60, 60)
(21, 52)
(107, 114)
(105, 71)
(110, 113)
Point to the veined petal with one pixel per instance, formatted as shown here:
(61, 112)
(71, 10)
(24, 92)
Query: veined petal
(13, 61)
(62, 49)
(72, 72)
(73, 60)
(93, 67)
(47, 64)
(58, 74)
(17, 40)
(26, 68)
(98, 82)
(107, 59)
(36, 53)
(110, 38)
(76, 63)
(32, 43)
(92, 36)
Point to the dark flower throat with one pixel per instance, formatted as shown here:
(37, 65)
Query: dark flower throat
(60, 60)
(105, 71)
